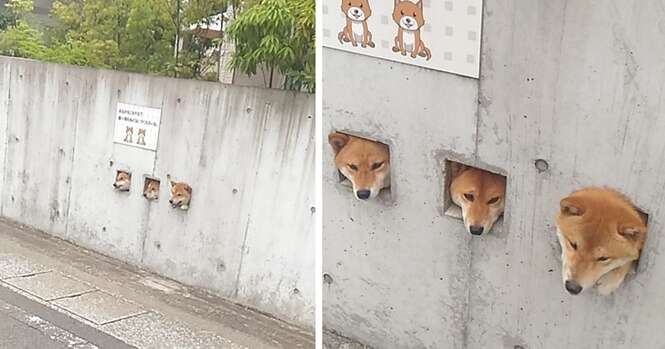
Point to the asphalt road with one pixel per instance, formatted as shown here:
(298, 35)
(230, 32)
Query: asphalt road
(26, 324)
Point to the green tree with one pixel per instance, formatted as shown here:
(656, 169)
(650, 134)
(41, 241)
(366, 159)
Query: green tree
(19, 38)
(276, 35)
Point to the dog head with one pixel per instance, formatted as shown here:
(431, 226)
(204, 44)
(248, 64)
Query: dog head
(480, 194)
(356, 10)
(599, 230)
(129, 130)
(123, 181)
(151, 191)
(181, 195)
(365, 163)
(408, 15)
(141, 132)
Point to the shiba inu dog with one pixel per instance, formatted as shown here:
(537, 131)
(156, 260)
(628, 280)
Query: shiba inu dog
(365, 163)
(123, 181)
(151, 191)
(480, 194)
(356, 31)
(129, 134)
(409, 18)
(141, 140)
(181, 195)
(601, 236)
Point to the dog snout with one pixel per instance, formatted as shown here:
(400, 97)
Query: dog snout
(573, 287)
(363, 194)
(407, 20)
(356, 11)
(476, 229)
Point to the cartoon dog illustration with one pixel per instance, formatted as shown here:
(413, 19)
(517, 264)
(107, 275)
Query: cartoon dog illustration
(123, 181)
(181, 195)
(409, 18)
(601, 235)
(141, 140)
(480, 194)
(151, 190)
(356, 31)
(365, 163)
(129, 134)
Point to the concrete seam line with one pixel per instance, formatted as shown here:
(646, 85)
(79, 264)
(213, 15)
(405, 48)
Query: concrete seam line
(65, 322)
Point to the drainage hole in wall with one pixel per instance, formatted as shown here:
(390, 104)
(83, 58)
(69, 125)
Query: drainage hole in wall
(151, 188)
(481, 191)
(296, 291)
(123, 180)
(362, 165)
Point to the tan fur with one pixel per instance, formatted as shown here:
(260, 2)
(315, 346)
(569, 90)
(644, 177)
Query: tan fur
(356, 12)
(480, 194)
(123, 181)
(595, 223)
(181, 195)
(365, 163)
(151, 191)
(129, 133)
(410, 19)
(141, 140)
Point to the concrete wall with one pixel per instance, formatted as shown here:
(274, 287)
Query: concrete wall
(248, 153)
(576, 83)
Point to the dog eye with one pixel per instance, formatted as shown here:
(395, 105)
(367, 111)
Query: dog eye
(414, 15)
(468, 197)
(493, 200)
(573, 245)
(402, 12)
(361, 6)
(350, 4)
(353, 167)
(603, 258)
(376, 165)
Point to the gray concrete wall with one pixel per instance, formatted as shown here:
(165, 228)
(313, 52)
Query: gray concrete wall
(248, 153)
(577, 83)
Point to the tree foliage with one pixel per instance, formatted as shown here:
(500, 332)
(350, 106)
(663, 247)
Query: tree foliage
(276, 35)
(140, 36)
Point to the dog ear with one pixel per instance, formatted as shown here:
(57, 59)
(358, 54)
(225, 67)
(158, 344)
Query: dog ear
(456, 169)
(572, 206)
(337, 141)
(631, 232)
(188, 189)
(420, 5)
(397, 2)
(172, 184)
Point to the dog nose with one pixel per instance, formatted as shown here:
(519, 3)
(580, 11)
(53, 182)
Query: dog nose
(363, 194)
(408, 20)
(355, 10)
(170, 201)
(476, 230)
(573, 287)
(115, 185)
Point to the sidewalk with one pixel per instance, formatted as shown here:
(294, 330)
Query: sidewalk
(135, 306)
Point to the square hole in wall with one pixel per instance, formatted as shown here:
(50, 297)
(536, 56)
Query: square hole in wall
(489, 195)
(371, 162)
(122, 180)
(151, 187)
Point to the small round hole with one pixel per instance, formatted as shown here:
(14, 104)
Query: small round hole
(542, 165)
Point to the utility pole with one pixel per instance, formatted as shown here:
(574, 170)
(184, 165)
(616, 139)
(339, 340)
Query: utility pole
(177, 37)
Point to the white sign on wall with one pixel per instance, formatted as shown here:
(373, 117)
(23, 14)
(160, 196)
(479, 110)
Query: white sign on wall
(137, 126)
(437, 34)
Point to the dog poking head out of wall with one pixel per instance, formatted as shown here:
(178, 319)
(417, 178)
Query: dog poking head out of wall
(181, 195)
(123, 181)
(480, 194)
(365, 163)
(151, 190)
(601, 235)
